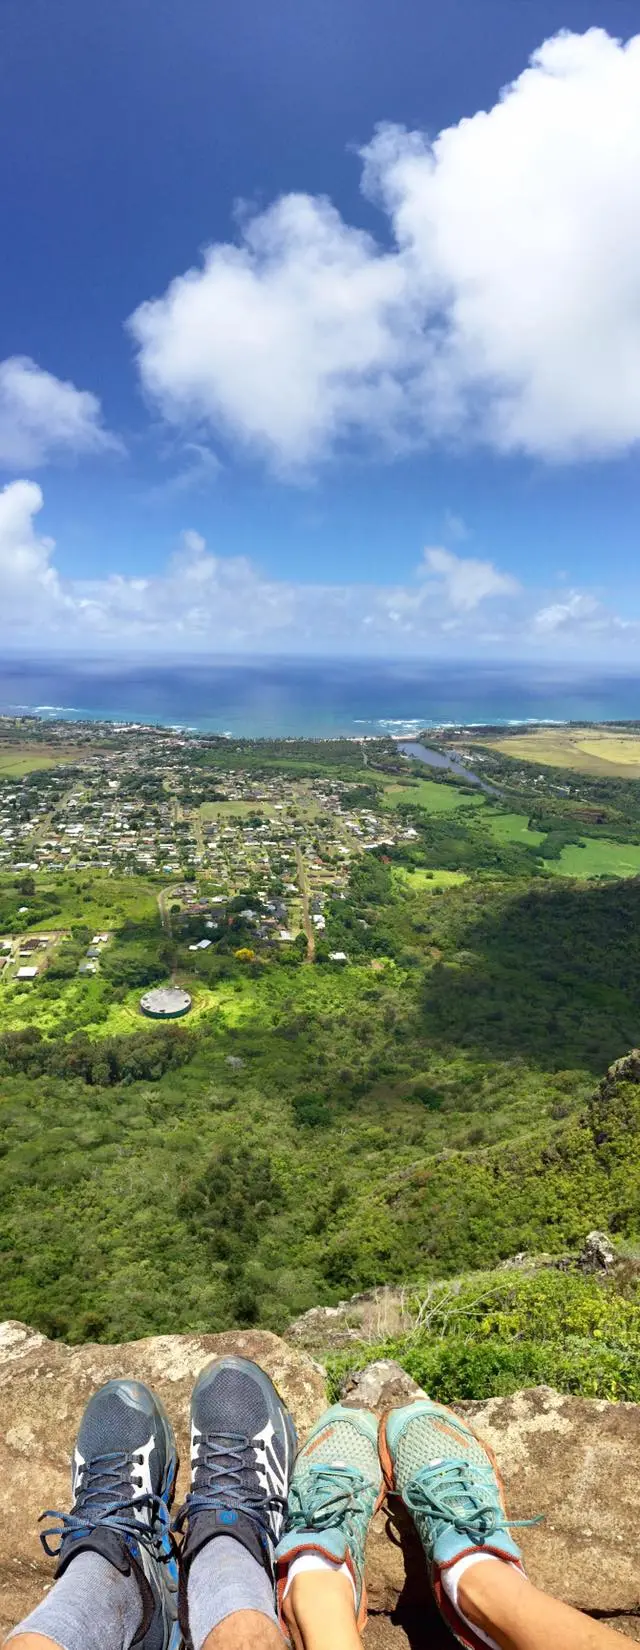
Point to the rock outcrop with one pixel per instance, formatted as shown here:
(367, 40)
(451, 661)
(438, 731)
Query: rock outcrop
(575, 1460)
(44, 1386)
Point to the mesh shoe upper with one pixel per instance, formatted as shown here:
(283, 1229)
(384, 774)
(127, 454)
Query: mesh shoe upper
(448, 1481)
(336, 1484)
(242, 1447)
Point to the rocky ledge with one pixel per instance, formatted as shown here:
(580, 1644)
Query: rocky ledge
(575, 1460)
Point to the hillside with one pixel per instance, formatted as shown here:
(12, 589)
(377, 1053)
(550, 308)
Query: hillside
(395, 1086)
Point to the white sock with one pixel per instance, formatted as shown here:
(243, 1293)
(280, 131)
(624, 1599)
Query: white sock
(317, 1561)
(452, 1577)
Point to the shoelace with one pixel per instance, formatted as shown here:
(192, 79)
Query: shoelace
(327, 1498)
(224, 1467)
(452, 1493)
(103, 1498)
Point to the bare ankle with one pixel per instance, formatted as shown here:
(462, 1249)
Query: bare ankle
(319, 1611)
(485, 1591)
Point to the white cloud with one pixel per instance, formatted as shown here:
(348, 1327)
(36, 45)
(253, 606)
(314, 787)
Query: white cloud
(580, 616)
(505, 310)
(283, 342)
(454, 606)
(27, 577)
(42, 417)
(201, 600)
(467, 581)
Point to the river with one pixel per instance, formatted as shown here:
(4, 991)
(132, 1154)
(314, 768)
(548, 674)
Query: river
(436, 759)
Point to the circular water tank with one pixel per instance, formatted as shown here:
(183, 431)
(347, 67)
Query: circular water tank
(165, 1003)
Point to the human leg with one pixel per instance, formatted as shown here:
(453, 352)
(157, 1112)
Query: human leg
(116, 1577)
(517, 1616)
(337, 1484)
(449, 1483)
(242, 1447)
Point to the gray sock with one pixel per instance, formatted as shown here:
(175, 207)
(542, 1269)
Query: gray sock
(91, 1607)
(223, 1578)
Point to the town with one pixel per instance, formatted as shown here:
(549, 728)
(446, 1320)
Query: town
(136, 805)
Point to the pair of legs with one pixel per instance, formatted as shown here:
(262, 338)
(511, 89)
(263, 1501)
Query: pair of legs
(253, 1518)
(320, 1615)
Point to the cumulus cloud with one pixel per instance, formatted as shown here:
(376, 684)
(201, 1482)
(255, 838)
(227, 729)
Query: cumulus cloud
(202, 602)
(502, 306)
(466, 580)
(581, 615)
(27, 576)
(43, 417)
(285, 341)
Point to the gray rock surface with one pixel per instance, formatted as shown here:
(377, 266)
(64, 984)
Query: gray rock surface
(598, 1253)
(575, 1460)
(381, 1386)
(44, 1386)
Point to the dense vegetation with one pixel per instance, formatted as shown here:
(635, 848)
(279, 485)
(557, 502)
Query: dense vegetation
(497, 1331)
(423, 1112)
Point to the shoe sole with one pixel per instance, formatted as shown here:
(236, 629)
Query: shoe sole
(386, 1458)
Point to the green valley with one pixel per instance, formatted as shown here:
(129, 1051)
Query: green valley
(403, 999)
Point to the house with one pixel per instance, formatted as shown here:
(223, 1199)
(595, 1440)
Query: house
(337, 956)
(26, 973)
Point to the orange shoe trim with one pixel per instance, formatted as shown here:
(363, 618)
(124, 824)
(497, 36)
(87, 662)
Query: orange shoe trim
(386, 1461)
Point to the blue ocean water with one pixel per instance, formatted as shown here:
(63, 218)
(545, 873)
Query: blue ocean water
(270, 697)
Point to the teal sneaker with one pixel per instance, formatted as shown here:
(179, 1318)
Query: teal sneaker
(337, 1485)
(449, 1482)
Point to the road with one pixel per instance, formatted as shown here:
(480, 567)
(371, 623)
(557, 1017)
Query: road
(304, 895)
(165, 914)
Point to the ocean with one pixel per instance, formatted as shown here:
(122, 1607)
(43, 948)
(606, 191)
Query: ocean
(318, 699)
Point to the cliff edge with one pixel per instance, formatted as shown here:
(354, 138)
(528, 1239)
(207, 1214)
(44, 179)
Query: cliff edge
(576, 1460)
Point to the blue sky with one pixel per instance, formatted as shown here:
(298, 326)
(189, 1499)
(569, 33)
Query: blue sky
(395, 406)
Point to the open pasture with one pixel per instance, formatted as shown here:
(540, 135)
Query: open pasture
(612, 751)
(436, 799)
(18, 760)
(597, 857)
(512, 828)
(427, 882)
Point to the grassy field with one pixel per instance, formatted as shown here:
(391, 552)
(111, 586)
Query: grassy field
(226, 810)
(240, 810)
(596, 858)
(436, 799)
(426, 882)
(512, 828)
(589, 750)
(97, 900)
(17, 760)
